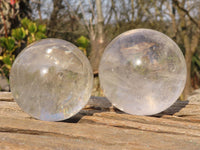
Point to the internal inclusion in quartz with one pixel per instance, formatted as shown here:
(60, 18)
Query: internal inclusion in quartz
(51, 80)
(142, 72)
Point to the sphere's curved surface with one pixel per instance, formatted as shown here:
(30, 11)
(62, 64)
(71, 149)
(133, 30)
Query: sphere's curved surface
(142, 72)
(51, 80)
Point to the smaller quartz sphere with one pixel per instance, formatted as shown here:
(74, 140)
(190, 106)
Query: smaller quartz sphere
(142, 72)
(51, 80)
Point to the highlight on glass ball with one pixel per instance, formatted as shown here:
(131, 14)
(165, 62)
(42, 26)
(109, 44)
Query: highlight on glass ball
(51, 80)
(142, 72)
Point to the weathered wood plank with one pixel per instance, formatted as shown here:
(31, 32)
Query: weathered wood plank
(37, 133)
(96, 127)
(144, 123)
(6, 96)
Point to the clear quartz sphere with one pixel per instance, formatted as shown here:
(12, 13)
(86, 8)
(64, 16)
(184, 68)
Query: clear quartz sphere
(51, 80)
(142, 72)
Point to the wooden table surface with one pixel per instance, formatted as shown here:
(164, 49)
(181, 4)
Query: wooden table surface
(99, 127)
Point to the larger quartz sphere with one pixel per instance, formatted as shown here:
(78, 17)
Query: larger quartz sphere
(51, 80)
(142, 72)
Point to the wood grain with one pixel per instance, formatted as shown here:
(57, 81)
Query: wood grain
(99, 126)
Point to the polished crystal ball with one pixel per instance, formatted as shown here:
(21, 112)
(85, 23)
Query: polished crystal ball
(51, 80)
(142, 72)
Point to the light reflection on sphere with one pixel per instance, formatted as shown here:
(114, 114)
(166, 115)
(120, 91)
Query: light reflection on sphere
(51, 80)
(142, 72)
